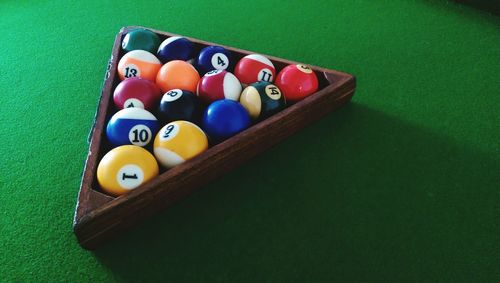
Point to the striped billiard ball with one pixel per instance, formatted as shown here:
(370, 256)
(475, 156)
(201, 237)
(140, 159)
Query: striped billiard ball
(253, 68)
(139, 63)
(262, 99)
(218, 84)
(136, 92)
(134, 126)
(177, 142)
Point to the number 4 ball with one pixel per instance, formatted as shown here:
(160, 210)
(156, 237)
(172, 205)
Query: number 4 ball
(297, 82)
(125, 168)
(213, 58)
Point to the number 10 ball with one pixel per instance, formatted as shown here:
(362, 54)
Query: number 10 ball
(132, 126)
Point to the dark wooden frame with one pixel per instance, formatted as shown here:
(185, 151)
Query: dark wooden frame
(99, 217)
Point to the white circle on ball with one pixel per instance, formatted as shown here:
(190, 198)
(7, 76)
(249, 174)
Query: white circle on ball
(169, 132)
(171, 95)
(133, 102)
(220, 61)
(140, 135)
(130, 176)
(265, 75)
(273, 92)
(213, 73)
(131, 70)
(304, 68)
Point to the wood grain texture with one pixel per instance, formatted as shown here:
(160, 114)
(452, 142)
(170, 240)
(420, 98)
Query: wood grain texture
(99, 217)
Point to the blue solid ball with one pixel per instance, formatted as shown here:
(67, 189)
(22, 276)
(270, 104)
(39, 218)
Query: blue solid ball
(132, 125)
(213, 58)
(224, 118)
(175, 48)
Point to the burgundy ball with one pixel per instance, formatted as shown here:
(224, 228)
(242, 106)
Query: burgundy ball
(137, 92)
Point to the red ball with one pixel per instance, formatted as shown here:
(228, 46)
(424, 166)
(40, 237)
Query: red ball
(137, 92)
(218, 84)
(297, 82)
(253, 68)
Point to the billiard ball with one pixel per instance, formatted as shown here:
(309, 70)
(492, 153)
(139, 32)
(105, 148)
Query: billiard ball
(297, 82)
(262, 99)
(177, 74)
(175, 48)
(141, 39)
(132, 126)
(138, 63)
(223, 119)
(177, 142)
(177, 104)
(124, 168)
(218, 84)
(136, 92)
(213, 58)
(253, 68)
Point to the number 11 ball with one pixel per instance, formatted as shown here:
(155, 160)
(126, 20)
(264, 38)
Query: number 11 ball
(132, 126)
(125, 168)
(253, 68)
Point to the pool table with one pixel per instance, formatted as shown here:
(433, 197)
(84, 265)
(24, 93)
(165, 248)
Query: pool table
(399, 185)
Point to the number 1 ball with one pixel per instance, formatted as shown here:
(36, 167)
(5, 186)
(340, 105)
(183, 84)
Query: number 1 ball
(132, 126)
(138, 63)
(253, 68)
(136, 92)
(297, 82)
(179, 141)
(179, 104)
(125, 168)
(213, 58)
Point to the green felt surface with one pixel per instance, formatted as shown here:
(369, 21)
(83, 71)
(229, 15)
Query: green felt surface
(400, 185)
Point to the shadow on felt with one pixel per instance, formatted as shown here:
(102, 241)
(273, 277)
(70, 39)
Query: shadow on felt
(356, 196)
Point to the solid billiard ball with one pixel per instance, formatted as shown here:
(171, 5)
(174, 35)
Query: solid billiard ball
(213, 58)
(141, 39)
(124, 168)
(177, 142)
(177, 74)
(262, 99)
(253, 68)
(136, 92)
(218, 84)
(134, 126)
(297, 82)
(178, 104)
(175, 48)
(138, 63)
(223, 119)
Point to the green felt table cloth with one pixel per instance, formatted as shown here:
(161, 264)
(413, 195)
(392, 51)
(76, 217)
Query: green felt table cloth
(401, 185)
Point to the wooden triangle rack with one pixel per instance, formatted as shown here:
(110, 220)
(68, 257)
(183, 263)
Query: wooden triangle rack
(99, 217)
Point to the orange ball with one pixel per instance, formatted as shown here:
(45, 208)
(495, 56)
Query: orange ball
(177, 74)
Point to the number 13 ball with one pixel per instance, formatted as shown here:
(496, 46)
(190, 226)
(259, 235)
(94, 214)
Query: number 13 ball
(138, 63)
(124, 168)
(177, 142)
(297, 82)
